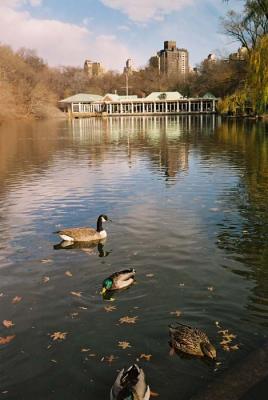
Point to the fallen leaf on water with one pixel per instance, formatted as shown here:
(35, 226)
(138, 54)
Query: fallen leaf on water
(227, 339)
(177, 313)
(124, 345)
(68, 273)
(147, 357)
(109, 308)
(59, 335)
(16, 299)
(74, 314)
(83, 308)
(84, 350)
(211, 288)
(6, 339)
(77, 294)
(46, 260)
(7, 323)
(128, 320)
(154, 394)
(1, 294)
(181, 284)
(150, 275)
(235, 347)
(54, 361)
(92, 355)
(109, 359)
(46, 279)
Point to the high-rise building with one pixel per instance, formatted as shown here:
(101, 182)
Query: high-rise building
(93, 68)
(171, 60)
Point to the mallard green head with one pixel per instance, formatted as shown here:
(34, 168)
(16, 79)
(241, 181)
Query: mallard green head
(209, 350)
(106, 285)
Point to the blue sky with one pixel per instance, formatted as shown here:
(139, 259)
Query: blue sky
(66, 32)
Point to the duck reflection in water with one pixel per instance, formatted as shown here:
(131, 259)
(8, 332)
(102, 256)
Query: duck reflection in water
(91, 248)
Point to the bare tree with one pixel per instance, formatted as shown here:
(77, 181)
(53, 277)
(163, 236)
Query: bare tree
(247, 27)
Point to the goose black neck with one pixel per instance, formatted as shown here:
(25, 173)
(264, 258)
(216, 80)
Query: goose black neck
(99, 224)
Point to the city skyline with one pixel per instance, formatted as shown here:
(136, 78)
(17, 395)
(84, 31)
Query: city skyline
(67, 33)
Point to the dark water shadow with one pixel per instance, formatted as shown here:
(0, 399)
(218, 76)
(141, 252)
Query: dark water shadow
(90, 248)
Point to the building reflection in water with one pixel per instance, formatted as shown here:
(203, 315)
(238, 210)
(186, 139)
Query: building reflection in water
(163, 139)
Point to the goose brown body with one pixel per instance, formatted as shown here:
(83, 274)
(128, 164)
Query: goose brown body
(130, 384)
(191, 341)
(84, 234)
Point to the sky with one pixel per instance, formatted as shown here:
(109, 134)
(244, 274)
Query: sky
(66, 32)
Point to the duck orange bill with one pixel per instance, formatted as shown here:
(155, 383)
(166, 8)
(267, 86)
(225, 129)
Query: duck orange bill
(103, 290)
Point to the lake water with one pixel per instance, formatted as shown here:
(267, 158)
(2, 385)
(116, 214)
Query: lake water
(188, 200)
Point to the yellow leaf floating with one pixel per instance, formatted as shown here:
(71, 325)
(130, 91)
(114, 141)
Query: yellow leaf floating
(124, 345)
(109, 308)
(16, 299)
(68, 273)
(227, 339)
(128, 320)
(177, 313)
(7, 323)
(6, 339)
(59, 335)
(147, 357)
(77, 294)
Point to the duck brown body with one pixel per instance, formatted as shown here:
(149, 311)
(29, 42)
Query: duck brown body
(191, 341)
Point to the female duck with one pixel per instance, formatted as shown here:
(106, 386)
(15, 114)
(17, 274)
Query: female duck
(191, 341)
(119, 280)
(130, 384)
(85, 234)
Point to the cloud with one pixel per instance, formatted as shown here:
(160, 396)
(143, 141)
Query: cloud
(18, 3)
(58, 42)
(123, 28)
(145, 10)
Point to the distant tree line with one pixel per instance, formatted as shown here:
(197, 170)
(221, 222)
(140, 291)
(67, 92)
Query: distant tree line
(30, 88)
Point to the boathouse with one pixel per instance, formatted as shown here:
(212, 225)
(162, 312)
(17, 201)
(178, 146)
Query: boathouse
(156, 103)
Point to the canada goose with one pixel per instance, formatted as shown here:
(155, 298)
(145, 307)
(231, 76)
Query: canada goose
(85, 234)
(119, 280)
(191, 341)
(130, 384)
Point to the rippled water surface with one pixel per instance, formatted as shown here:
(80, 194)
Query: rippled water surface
(188, 200)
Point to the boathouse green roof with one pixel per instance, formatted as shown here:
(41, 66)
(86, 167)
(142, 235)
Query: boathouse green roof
(116, 97)
(209, 95)
(155, 96)
(82, 98)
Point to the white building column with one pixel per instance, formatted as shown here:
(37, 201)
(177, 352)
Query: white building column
(189, 105)
(213, 105)
(143, 107)
(201, 106)
(79, 107)
(154, 109)
(132, 108)
(166, 104)
(121, 108)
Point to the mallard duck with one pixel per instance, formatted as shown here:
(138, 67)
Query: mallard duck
(130, 384)
(85, 234)
(118, 280)
(191, 341)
